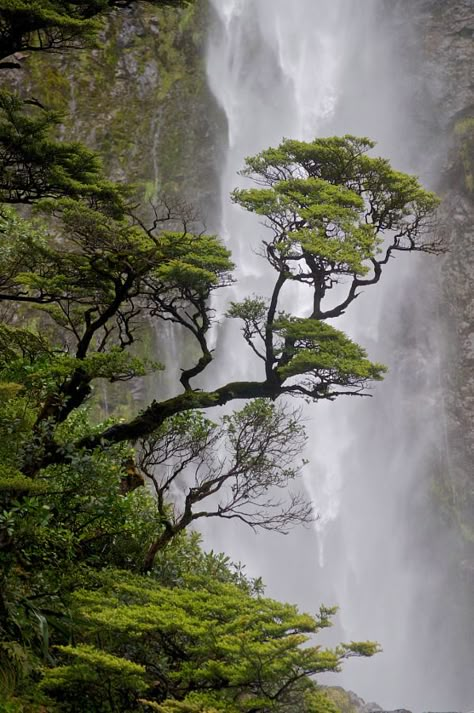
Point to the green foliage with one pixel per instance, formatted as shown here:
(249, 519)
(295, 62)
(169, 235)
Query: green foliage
(96, 681)
(339, 700)
(95, 276)
(332, 226)
(205, 645)
(329, 202)
(328, 227)
(317, 349)
(14, 666)
(195, 635)
(319, 702)
(16, 482)
(107, 261)
(34, 164)
(336, 216)
(193, 263)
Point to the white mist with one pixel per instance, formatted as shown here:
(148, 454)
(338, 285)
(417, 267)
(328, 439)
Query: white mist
(321, 67)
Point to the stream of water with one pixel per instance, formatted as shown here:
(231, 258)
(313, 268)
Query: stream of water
(324, 67)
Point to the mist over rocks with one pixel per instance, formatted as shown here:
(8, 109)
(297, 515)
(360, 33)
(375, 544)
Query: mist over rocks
(359, 706)
(349, 702)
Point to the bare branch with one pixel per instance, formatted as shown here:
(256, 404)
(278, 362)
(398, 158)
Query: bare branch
(242, 468)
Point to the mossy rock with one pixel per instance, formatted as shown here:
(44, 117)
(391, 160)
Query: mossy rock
(343, 701)
(140, 98)
(464, 134)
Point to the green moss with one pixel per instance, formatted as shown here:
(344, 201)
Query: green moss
(455, 505)
(17, 483)
(135, 96)
(343, 701)
(55, 91)
(464, 132)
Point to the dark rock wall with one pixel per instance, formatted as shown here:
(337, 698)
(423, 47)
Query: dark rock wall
(141, 99)
(441, 50)
(448, 47)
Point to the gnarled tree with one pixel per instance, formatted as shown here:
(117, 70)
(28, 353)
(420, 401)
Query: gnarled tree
(336, 216)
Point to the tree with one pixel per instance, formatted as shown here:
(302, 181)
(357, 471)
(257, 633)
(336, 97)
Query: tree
(336, 216)
(100, 268)
(329, 205)
(80, 629)
(95, 280)
(206, 645)
(35, 165)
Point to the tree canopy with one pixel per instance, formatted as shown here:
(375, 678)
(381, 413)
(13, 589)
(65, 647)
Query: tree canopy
(336, 216)
(83, 630)
(214, 646)
(35, 165)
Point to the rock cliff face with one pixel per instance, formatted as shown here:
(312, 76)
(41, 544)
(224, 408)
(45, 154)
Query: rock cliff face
(457, 284)
(443, 104)
(140, 98)
(440, 49)
(447, 29)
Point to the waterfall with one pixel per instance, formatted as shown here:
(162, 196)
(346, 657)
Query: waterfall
(324, 67)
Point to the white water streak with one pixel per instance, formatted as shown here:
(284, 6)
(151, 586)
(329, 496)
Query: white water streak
(273, 80)
(319, 67)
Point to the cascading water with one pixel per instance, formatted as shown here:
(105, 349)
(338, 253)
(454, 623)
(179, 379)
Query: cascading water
(322, 67)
